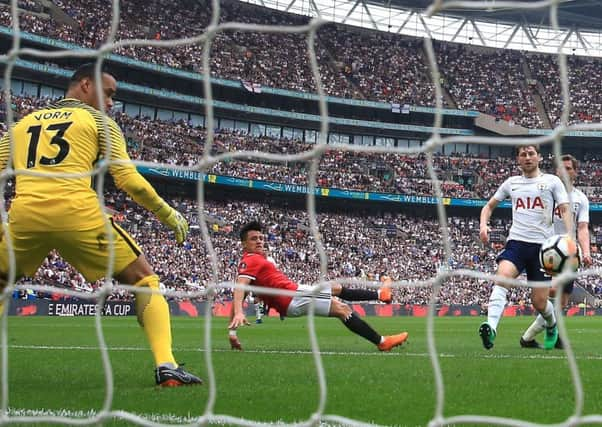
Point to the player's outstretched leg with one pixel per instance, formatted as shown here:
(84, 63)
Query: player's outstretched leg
(355, 324)
(391, 341)
(383, 294)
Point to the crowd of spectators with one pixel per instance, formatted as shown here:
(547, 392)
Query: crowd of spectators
(461, 176)
(584, 76)
(272, 59)
(489, 80)
(360, 245)
(29, 5)
(380, 66)
(352, 62)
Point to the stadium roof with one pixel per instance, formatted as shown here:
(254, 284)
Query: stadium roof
(525, 28)
(580, 14)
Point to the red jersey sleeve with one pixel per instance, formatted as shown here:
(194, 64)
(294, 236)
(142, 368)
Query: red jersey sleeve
(250, 265)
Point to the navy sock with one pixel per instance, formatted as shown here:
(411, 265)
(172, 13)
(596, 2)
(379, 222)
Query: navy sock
(356, 325)
(358, 294)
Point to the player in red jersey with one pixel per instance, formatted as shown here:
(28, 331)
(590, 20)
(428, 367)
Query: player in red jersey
(256, 270)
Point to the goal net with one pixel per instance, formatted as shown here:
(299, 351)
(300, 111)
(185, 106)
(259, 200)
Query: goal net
(203, 163)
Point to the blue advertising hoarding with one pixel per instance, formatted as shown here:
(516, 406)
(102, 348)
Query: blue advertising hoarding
(189, 175)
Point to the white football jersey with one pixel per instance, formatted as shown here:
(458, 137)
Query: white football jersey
(533, 203)
(579, 207)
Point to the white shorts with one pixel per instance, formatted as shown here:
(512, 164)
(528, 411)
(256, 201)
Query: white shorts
(299, 305)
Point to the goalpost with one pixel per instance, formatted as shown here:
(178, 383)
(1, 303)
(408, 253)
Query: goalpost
(312, 156)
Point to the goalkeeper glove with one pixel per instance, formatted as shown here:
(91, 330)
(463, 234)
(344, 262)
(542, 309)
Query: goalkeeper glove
(174, 220)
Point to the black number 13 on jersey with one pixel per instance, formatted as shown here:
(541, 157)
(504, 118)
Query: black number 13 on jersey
(57, 139)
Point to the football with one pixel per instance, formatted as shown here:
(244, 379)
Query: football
(558, 253)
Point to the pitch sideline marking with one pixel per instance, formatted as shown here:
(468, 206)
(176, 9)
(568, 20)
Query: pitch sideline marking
(534, 355)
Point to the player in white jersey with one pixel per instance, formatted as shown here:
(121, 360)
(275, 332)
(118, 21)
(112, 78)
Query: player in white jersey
(534, 196)
(579, 208)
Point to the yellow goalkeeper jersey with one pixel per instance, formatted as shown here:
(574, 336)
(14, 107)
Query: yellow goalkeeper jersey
(69, 137)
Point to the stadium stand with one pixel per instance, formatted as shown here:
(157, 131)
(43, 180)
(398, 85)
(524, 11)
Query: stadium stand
(180, 143)
(584, 81)
(412, 239)
(363, 239)
(490, 81)
(355, 244)
(501, 83)
(467, 76)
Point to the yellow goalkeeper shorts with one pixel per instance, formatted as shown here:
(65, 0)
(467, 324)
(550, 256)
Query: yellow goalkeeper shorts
(88, 251)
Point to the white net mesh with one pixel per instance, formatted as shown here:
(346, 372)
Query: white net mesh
(313, 157)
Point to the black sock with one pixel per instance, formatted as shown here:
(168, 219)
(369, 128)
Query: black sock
(358, 294)
(356, 325)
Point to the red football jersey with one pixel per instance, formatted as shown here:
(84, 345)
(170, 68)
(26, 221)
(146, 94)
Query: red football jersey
(264, 273)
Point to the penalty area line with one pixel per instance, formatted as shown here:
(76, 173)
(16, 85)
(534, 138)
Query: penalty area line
(533, 354)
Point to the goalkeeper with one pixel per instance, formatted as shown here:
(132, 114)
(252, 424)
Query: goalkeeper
(256, 270)
(54, 212)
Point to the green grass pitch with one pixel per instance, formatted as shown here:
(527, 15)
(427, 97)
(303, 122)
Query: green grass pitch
(55, 365)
